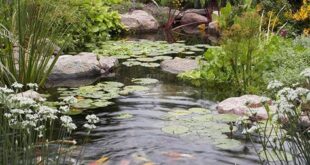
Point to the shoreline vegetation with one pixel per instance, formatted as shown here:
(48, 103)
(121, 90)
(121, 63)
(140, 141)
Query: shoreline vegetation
(248, 45)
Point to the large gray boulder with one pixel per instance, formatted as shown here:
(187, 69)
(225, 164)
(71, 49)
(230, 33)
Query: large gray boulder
(193, 20)
(81, 65)
(139, 21)
(179, 65)
(245, 105)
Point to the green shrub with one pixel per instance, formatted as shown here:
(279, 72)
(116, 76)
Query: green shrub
(94, 22)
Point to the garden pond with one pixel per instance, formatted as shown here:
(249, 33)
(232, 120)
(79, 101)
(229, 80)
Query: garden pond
(150, 117)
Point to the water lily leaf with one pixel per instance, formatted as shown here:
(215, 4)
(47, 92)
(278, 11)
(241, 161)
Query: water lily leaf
(144, 81)
(94, 95)
(83, 104)
(175, 129)
(188, 53)
(121, 56)
(227, 144)
(199, 110)
(203, 118)
(196, 50)
(113, 84)
(226, 118)
(163, 57)
(275, 155)
(146, 59)
(150, 65)
(123, 116)
(133, 88)
(131, 63)
(101, 103)
(179, 112)
(52, 104)
(73, 111)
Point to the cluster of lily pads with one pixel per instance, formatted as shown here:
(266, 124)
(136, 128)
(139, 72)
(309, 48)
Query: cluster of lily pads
(101, 94)
(146, 53)
(200, 123)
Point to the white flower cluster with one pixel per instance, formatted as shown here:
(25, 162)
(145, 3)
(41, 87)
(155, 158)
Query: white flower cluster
(67, 123)
(274, 85)
(17, 85)
(91, 121)
(25, 113)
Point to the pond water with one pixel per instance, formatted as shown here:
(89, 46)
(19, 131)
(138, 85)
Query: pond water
(139, 139)
(137, 129)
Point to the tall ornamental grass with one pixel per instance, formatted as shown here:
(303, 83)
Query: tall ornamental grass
(29, 30)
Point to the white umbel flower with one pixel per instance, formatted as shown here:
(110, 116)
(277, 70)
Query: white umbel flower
(89, 126)
(92, 119)
(17, 85)
(274, 85)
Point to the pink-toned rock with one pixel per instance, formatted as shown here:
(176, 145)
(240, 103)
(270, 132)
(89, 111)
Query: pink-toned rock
(245, 105)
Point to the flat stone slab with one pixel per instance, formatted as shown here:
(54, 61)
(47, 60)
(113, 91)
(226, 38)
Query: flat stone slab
(179, 65)
(245, 105)
(81, 65)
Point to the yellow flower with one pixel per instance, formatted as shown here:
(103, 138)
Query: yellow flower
(303, 13)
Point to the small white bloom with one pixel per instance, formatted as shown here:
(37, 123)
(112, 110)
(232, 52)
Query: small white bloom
(8, 115)
(92, 119)
(47, 112)
(17, 85)
(274, 85)
(6, 90)
(89, 126)
(67, 123)
(17, 111)
(64, 109)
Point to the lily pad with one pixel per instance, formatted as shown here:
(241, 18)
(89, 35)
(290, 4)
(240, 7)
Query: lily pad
(179, 112)
(199, 110)
(83, 104)
(228, 144)
(163, 57)
(124, 116)
(226, 117)
(101, 103)
(150, 65)
(144, 81)
(189, 53)
(175, 129)
(73, 111)
(133, 88)
(146, 59)
(131, 63)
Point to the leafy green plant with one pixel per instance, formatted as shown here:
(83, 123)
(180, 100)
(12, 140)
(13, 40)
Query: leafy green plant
(94, 23)
(28, 35)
